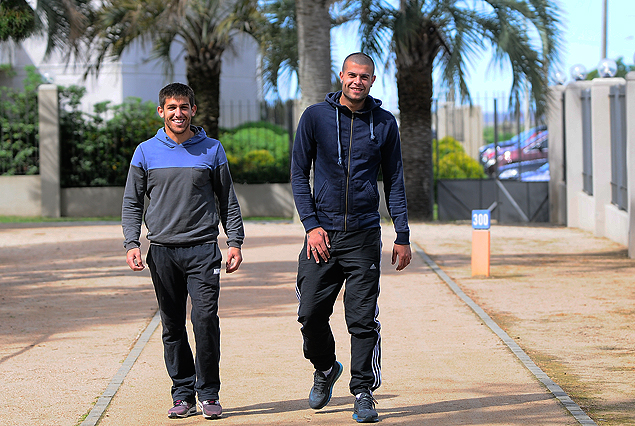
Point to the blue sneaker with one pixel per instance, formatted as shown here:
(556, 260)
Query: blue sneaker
(364, 409)
(322, 389)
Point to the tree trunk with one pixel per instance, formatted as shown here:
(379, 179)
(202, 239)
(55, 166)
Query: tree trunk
(414, 58)
(415, 113)
(314, 50)
(203, 76)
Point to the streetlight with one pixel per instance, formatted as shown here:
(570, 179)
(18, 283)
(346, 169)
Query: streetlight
(578, 72)
(607, 68)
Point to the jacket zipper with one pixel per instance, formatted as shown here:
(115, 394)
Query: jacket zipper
(348, 172)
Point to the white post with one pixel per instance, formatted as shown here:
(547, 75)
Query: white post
(630, 159)
(601, 131)
(48, 110)
(557, 183)
(573, 129)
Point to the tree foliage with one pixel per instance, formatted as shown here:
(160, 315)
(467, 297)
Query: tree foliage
(17, 20)
(201, 29)
(19, 127)
(422, 36)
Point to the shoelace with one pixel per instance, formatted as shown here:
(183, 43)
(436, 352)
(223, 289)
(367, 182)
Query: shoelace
(366, 401)
(319, 381)
(180, 402)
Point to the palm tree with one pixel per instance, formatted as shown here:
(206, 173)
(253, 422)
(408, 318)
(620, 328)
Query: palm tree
(295, 37)
(63, 22)
(314, 49)
(203, 28)
(420, 35)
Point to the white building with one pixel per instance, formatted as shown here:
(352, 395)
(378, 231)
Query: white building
(134, 76)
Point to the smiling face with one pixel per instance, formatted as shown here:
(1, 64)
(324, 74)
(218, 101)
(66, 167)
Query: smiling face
(357, 79)
(177, 115)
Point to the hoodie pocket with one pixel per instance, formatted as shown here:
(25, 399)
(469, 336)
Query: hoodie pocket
(367, 199)
(326, 200)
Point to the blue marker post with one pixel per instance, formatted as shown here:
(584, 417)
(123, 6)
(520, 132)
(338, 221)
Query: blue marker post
(481, 220)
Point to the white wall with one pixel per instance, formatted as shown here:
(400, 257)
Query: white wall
(135, 76)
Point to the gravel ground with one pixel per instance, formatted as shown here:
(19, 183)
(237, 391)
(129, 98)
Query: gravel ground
(72, 310)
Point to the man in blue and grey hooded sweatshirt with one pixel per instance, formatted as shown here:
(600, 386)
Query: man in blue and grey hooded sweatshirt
(347, 139)
(185, 176)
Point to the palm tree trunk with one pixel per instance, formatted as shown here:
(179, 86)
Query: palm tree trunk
(203, 76)
(415, 113)
(314, 50)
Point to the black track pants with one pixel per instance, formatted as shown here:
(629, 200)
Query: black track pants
(177, 272)
(355, 258)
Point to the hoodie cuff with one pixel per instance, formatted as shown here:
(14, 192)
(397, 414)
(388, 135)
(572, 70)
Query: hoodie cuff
(131, 245)
(310, 222)
(403, 238)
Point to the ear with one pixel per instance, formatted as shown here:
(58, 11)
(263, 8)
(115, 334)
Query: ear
(160, 111)
(193, 110)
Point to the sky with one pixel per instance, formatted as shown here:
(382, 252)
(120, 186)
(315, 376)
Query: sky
(581, 34)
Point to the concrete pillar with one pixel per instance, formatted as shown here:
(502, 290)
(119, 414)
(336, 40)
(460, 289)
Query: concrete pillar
(557, 183)
(601, 107)
(48, 109)
(573, 131)
(630, 159)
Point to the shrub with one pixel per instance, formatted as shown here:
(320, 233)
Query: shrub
(257, 154)
(453, 162)
(98, 147)
(19, 148)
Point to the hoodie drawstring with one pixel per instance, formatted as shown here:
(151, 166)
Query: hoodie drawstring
(372, 129)
(339, 144)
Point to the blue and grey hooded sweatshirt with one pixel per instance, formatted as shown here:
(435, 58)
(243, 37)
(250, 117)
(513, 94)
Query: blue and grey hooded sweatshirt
(348, 148)
(189, 189)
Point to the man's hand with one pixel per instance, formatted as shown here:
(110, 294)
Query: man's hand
(234, 259)
(133, 259)
(403, 253)
(318, 243)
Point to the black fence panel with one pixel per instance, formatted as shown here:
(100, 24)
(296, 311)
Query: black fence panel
(510, 201)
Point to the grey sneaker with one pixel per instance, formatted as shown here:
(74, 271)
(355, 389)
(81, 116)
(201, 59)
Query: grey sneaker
(364, 409)
(211, 408)
(181, 409)
(322, 389)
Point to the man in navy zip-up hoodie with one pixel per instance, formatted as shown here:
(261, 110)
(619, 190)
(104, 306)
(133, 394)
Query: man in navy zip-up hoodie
(186, 178)
(347, 139)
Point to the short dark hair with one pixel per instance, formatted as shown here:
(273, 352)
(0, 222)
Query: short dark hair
(176, 90)
(359, 58)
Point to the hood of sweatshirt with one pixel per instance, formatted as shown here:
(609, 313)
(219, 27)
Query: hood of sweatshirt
(199, 135)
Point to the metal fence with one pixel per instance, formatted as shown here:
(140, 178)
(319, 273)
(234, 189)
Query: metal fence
(587, 142)
(619, 194)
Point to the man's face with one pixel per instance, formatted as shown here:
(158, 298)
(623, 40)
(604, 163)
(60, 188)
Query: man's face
(177, 114)
(356, 81)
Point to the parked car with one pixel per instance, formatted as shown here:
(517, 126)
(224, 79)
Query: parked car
(523, 169)
(486, 152)
(533, 148)
(541, 174)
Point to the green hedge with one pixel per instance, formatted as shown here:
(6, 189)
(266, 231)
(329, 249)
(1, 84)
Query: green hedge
(97, 148)
(257, 153)
(19, 148)
(453, 162)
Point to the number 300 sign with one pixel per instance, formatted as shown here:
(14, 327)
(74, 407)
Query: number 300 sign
(481, 219)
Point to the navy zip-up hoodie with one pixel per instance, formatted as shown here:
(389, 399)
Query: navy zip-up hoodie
(348, 148)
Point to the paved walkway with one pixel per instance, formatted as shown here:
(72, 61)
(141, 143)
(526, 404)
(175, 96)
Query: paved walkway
(72, 313)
